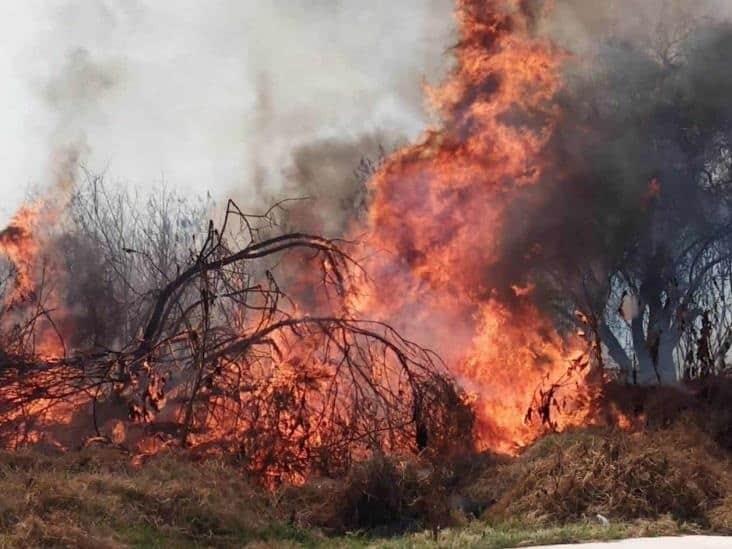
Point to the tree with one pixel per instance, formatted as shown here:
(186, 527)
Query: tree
(632, 228)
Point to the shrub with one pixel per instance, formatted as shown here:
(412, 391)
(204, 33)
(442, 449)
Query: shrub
(384, 495)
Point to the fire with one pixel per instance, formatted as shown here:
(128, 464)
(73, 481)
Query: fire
(28, 325)
(21, 249)
(436, 271)
(437, 218)
(29, 296)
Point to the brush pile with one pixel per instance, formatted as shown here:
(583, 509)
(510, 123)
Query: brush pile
(235, 339)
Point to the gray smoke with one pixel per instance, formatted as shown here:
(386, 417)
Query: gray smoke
(641, 153)
(332, 176)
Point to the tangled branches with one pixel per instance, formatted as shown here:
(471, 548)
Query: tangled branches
(227, 360)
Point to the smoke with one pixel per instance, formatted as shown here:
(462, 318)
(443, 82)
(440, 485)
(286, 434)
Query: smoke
(331, 176)
(645, 112)
(570, 148)
(209, 95)
(572, 141)
(581, 27)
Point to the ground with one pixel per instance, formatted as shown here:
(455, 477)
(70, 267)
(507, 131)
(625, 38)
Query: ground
(669, 476)
(103, 498)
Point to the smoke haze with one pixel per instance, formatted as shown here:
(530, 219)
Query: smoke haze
(209, 96)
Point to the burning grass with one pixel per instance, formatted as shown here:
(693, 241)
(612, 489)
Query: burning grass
(278, 352)
(675, 471)
(676, 463)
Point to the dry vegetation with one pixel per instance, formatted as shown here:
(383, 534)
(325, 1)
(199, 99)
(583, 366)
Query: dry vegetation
(665, 479)
(221, 384)
(299, 429)
(619, 475)
(234, 338)
(95, 499)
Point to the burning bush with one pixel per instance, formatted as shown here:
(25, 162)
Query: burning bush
(566, 221)
(226, 357)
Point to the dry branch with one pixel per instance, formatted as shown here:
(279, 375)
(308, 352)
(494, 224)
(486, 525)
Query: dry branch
(228, 361)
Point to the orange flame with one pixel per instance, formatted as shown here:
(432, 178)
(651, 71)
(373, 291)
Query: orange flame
(438, 212)
(29, 292)
(436, 222)
(21, 249)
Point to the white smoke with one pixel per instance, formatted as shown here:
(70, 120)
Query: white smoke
(208, 95)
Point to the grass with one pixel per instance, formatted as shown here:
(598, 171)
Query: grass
(96, 499)
(551, 494)
(677, 471)
(480, 534)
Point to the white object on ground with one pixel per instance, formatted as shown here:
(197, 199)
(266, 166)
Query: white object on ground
(602, 520)
(681, 542)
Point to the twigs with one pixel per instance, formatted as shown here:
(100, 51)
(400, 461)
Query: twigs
(229, 361)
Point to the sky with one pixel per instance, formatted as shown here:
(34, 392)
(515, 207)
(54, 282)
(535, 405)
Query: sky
(205, 94)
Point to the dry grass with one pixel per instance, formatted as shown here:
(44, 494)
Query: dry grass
(720, 517)
(703, 403)
(673, 477)
(677, 471)
(380, 496)
(96, 499)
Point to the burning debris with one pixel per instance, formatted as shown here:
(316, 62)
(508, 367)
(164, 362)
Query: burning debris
(566, 221)
(226, 361)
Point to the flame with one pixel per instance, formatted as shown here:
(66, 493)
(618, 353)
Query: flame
(437, 216)
(436, 223)
(21, 249)
(30, 298)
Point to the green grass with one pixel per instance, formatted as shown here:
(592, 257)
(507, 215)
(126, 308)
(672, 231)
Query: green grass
(480, 534)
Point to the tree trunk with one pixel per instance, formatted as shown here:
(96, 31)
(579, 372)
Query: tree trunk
(614, 348)
(666, 366)
(646, 368)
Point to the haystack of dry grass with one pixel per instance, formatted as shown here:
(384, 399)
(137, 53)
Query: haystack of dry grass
(677, 471)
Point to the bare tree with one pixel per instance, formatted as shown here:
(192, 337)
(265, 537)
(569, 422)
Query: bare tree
(633, 228)
(225, 358)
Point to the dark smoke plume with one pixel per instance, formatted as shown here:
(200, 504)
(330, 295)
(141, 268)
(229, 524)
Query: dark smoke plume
(637, 204)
